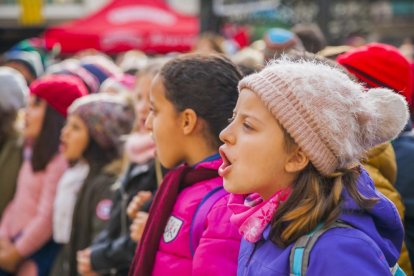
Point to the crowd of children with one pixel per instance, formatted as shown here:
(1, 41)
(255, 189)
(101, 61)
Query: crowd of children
(283, 158)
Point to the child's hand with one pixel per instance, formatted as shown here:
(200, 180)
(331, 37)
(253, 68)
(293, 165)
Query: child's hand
(10, 258)
(137, 202)
(4, 243)
(84, 265)
(138, 225)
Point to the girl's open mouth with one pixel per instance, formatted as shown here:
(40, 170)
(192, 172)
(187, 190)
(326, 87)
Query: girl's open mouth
(226, 166)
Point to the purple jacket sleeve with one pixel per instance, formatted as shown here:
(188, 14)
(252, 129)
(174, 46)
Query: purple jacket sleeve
(346, 252)
(219, 245)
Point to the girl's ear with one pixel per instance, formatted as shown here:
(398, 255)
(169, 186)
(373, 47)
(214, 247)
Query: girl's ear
(189, 121)
(297, 161)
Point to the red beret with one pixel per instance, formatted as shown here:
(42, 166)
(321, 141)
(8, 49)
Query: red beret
(380, 65)
(59, 91)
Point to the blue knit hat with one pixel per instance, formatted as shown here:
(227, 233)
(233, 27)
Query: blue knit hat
(101, 67)
(279, 41)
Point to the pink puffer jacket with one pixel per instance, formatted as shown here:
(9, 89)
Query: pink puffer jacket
(218, 247)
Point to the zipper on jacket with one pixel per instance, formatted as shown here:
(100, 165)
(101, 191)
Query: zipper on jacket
(249, 259)
(133, 171)
(124, 218)
(124, 200)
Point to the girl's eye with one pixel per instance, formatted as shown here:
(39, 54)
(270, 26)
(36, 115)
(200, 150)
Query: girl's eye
(37, 101)
(247, 126)
(152, 110)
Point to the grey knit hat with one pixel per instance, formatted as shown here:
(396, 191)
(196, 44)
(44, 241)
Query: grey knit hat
(13, 89)
(107, 117)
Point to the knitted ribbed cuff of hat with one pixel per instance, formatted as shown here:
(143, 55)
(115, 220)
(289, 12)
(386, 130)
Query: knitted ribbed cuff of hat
(297, 121)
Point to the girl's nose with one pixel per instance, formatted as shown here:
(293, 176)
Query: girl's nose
(143, 112)
(148, 122)
(63, 133)
(226, 136)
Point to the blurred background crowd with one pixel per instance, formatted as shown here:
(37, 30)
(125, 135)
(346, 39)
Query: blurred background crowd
(74, 82)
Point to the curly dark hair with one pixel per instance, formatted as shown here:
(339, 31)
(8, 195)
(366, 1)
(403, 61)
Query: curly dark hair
(205, 83)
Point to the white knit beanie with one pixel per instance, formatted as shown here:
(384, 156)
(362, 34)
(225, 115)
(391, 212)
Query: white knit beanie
(13, 89)
(332, 118)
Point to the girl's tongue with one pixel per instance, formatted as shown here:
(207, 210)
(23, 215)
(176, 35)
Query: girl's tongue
(226, 166)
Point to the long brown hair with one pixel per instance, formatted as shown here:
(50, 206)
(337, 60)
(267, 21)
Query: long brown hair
(7, 120)
(46, 145)
(315, 199)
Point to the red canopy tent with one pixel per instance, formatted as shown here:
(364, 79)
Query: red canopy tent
(148, 25)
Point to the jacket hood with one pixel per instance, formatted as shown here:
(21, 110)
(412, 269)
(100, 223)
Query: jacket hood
(377, 150)
(381, 223)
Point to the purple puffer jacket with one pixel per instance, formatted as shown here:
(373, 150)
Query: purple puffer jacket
(369, 249)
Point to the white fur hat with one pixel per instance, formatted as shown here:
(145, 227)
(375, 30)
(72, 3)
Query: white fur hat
(13, 89)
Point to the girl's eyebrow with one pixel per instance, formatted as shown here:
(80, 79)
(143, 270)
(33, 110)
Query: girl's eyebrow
(250, 116)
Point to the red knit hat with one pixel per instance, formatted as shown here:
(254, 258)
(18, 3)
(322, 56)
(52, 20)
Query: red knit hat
(412, 88)
(59, 90)
(380, 65)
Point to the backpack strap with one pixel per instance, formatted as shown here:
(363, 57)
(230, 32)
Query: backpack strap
(299, 254)
(396, 270)
(200, 215)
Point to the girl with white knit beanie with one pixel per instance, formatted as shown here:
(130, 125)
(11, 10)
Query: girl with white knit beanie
(291, 160)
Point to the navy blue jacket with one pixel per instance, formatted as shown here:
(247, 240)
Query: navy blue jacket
(404, 153)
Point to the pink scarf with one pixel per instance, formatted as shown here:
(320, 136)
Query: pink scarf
(251, 214)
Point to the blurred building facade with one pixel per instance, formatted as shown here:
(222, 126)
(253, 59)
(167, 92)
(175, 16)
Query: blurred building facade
(386, 20)
(52, 11)
(381, 20)
(20, 19)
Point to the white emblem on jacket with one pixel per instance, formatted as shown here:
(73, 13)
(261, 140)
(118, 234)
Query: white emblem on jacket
(171, 230)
